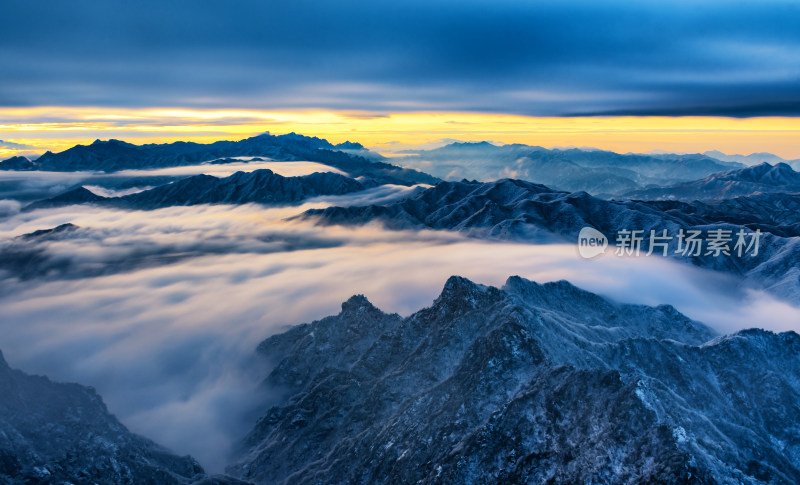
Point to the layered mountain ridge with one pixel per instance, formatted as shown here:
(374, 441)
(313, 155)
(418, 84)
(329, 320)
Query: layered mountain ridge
(528, 383)
(526, 212)
(259, 186)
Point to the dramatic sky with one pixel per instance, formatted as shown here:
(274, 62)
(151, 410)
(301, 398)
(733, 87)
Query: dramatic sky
(167, 344)
(165, 70)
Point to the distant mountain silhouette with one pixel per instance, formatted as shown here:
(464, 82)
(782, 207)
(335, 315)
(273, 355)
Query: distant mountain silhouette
(18, 163)
(114, 155)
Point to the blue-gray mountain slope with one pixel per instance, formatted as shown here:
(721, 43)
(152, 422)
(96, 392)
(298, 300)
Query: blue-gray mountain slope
(526, 384)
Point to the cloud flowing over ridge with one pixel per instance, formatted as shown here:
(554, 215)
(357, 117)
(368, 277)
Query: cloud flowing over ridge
(35, 185)
(169, 342)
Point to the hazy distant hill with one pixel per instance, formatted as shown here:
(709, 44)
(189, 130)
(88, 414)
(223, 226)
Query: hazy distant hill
(598, 172)
(753, 158)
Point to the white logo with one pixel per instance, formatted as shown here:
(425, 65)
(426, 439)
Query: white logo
(591, 242)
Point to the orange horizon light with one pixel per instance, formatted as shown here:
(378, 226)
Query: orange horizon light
(58, 128)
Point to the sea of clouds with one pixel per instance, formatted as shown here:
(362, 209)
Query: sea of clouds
(161, 311)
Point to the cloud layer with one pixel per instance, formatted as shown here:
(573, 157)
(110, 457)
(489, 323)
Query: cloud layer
(535, 58)
(170, 344)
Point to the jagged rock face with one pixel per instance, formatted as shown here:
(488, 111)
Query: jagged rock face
(526, 384)
(63, 433)
(763, 178)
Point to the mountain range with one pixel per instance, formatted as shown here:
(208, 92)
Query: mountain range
(259, 186)
(761, 197)
(522, 211)
(599, 172)
(528, 383)
(655, 176)
(114, 155)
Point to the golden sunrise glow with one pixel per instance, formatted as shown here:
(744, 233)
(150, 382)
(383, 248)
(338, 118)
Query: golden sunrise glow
(55, 129)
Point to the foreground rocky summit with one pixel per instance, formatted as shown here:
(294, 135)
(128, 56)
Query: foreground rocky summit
(526, 384)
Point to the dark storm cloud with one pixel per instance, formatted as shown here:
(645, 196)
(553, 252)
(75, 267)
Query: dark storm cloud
(545, 58)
